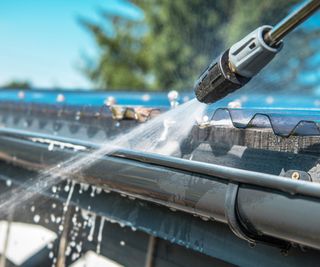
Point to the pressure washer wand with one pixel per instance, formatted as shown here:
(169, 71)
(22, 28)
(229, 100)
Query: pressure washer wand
(237, 65)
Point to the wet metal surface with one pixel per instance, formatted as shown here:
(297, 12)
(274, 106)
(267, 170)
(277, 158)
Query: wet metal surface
(283, 122)
(36, 136)
(193, 187)
(207, 237)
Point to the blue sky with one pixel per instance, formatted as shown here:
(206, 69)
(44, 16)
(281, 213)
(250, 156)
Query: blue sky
(42, 41)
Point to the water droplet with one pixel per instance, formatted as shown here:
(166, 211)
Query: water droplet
(32, 208)
(78, 114)
(60, 227)
(51, 146)
(92, 223)
(53, 218)
(79, 247)
(8, 182)
(60, 98)
(21, 95)
(54, 189)
(36, 218)
(204, 218)
(99, 239)
(146, 97)
(122, 243)
(67, 188)
(93, 191)
(98, 190)
(51, 254)
(74, 256)
(68, 251)
(269, 100)
(85, 187)
(65, 208)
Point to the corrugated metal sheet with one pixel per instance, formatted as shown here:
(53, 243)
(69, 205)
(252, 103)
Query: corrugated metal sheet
(283, 122)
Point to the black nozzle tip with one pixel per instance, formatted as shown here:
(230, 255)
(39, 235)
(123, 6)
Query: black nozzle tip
(217, 81)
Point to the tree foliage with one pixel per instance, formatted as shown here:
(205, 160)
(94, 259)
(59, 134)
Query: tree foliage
(17, 84)
(175, 40)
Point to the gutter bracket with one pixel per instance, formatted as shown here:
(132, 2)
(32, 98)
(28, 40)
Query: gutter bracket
(243, 229)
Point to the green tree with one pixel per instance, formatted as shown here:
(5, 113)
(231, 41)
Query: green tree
(17, 84)
(123, 59)
(175, 40)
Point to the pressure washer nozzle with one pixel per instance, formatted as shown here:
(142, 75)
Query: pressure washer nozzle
(236, 66)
